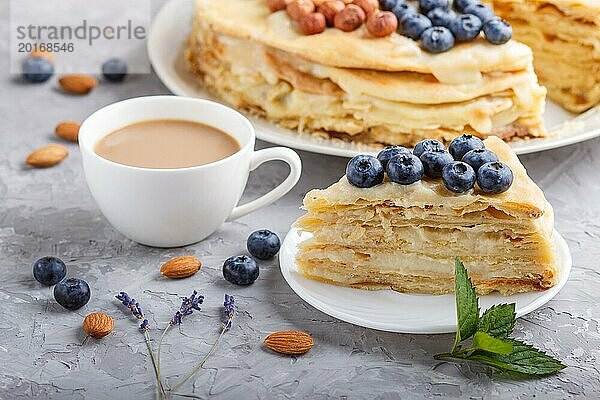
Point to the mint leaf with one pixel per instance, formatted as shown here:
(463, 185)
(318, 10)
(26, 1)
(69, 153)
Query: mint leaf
(498, 320)
(524, 359)
(467, 308)
(483, 341)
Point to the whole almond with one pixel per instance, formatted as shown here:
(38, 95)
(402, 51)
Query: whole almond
(68, 130)
(78, 84)
(329, 9)
(299, 8)
(42, 54)
(47, 156)
(181, 267)
(350, 18)
(289, 342)
(98, 325)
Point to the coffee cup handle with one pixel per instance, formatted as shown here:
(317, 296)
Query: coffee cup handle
(290, 157)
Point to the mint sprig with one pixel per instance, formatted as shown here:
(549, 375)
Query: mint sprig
(490, 344)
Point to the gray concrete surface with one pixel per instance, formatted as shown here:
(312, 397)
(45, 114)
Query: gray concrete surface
(43, 353)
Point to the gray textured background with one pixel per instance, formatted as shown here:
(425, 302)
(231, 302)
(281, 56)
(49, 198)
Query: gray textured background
(42, 349)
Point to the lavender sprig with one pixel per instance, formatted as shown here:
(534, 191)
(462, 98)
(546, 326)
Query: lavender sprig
(229, 311)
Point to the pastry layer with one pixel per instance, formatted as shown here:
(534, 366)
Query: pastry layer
(401, 236)
(565, 38)
(278, 78)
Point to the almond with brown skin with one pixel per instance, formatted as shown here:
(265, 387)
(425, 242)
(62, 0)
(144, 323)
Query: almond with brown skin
(78, 84)
(98, 325)
(68, 130)
(289, 342)
(47, 156)
(350, 18)
(181, 267)
(329, 9)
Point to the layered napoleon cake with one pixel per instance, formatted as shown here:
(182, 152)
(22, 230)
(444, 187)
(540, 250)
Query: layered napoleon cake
(406, 236)
(565, 38)
(355, 86)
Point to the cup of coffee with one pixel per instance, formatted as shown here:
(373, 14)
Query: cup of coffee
(167, 171)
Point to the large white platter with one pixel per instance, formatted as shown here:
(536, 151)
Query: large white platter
(165, 50)
(391, 311)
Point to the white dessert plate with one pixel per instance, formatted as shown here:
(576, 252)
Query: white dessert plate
(392, 311)
(165, 44)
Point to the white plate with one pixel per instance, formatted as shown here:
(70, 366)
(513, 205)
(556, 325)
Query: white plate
(165, 50)
(392, 311)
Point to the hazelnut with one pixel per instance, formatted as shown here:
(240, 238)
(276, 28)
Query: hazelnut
(277, 5)
(350, 18)
(313, 23)
(329, 9)
(382, 23)
(368, 6)
(299, 8)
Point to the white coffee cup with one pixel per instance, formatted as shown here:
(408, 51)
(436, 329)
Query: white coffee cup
(176, 207)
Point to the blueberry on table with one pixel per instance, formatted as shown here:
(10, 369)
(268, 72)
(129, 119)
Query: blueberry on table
(426, 145)
(437, 39)
(389, 152)
(441, 17)
(240, 270)
(466, 27)
(427, 5)
(434, 161)
(387, 5)
(413, 25)
(37, 70)
(462, 144)
(476, 158)
(49, 270)
(364, 171)
(114, 70)
(72, 293)
(401, 9)
(405, 169)
(480, 10)
(460, 5)
(494, 177)
(458, 177)
(263, 244)
(497, 31)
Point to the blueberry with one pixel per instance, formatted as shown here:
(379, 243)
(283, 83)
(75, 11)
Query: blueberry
(458, 177)
(387, 5)
(364, 171)
(437, 39)
(433, 162)
(497, 31)
(114, 70)
(441, 17)
(427, 5)
(480, 10)
(72, 293)
(476, 158)
(426, 145)
(494, 177)
(460, 5)
(49, 270)
(240, 270)
(37, 70)
(263, 244)
(405, 169)
(466, 27)
(461, 145)
(389, 152)
(412, 25)
(401, 9)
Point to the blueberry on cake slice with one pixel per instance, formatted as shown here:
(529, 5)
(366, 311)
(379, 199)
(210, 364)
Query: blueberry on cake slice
(565, 38)
(399, 220)
(393, 72)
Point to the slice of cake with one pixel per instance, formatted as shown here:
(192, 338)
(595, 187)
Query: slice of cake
(355, 86)
(405, 236)
(565, 38)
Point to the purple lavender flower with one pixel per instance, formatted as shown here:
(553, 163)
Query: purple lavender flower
(228, 312)
(188, 305)
(135, 308)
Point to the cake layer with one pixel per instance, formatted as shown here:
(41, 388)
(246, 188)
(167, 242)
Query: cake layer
(364, 105)
(565, 38)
